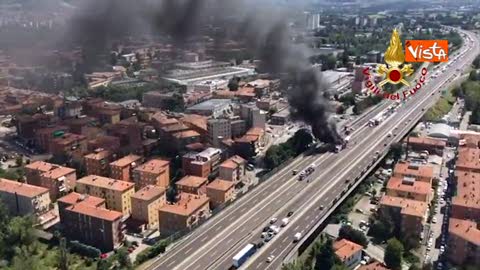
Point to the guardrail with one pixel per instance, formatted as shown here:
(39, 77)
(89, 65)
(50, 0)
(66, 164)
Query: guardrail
(312, 234)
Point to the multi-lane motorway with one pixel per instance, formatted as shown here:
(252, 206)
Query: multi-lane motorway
(213, 245)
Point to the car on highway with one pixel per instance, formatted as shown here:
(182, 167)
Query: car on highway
(270, 258)
(294, 172)
(321, 207)
(297, 236)
(290, 213)
(273, 220)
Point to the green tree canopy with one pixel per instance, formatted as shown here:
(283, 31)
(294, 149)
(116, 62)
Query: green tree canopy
(351, 234)
(393, 254)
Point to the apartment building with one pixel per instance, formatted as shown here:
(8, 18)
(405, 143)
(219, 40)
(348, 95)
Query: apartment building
(193, 165)
(432, 145)
(153, 172)
(70, 147)
(74, 198)
(97, 162)
(412, 213)
(422, 173)
(192, 184)
(122, 168)
(466, 202)
(57, 179)
(86, 220)
(117, 194)
(233, 169)
(348, 252)
(409, 188)
(464, 242)
(145, 205)
(184, 215)
(220, 192)
(203, 163)
(23, 199)
(218, 130)
(468, 159)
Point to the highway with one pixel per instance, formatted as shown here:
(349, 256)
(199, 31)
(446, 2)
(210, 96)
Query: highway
(213, 244)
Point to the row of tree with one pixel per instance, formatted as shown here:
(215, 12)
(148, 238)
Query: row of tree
(277, 154)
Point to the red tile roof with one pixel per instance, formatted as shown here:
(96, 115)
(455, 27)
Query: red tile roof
(419, 187)
(126, 161)
(465, 229)
(148, 193)
(95, 212)
(187, 205)
(192, 181)
(222, 185)
(22, 189)
(156, 166)
(104, 182)
(407, 169)
(468, 190)
(345, 249)
(75, 198)
(409, 207)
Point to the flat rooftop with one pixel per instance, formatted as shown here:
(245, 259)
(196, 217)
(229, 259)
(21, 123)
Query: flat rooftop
(211, 104)
(106, 183)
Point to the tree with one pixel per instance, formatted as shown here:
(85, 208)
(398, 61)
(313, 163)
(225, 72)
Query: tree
(123, 259)
(19, 161)
(473, 75)
(356, 236)
(295, 265)
(396, 151)
(339, 266)
(233, 84)
(301, 141)
(63, 255)
(393, 254)
(325, 258)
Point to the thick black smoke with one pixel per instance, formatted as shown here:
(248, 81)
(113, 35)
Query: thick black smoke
(262, 29)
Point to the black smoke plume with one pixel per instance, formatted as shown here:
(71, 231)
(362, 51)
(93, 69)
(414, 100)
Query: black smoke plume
(262, 28)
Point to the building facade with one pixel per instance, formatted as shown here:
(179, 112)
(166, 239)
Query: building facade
(117, 194)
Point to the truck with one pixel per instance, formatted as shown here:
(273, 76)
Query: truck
(342, 145)
(242, 256)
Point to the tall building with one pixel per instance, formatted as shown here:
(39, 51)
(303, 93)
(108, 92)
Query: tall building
(420, 172)
(312, 21)
(233, 169)
(218, 130)
(464, 242)
(186, 213)
(85, 219)
(145, 205)
(192, 184)
(57, 179)
(122, 168)
(220, 192)
(153, 172)
(23, 199)
(115, 192)
(466, 202)
(97, 163)
(410, 188)
(412, 213)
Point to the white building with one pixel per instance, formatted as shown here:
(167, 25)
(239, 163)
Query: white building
(210, 85)
(259, 118)
(218, 130)
(312, 21)
(348, 252)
